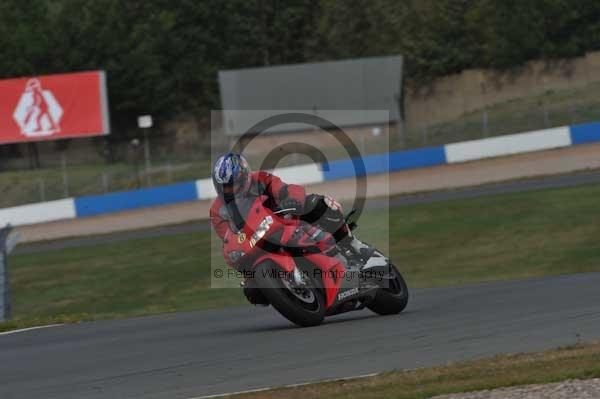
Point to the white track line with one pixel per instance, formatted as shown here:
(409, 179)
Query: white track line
(221, 395)
(29, 329)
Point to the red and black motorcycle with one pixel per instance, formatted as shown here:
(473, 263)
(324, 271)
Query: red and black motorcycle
(302, 272)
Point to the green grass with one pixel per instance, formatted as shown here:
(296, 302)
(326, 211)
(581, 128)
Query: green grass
(503, 237)
(510, 236)
(576, 362)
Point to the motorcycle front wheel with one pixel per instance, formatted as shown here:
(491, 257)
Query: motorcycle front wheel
(392, 298)
(304, 306)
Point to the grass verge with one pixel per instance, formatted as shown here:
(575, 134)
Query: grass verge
(510, 236)
(576, 362)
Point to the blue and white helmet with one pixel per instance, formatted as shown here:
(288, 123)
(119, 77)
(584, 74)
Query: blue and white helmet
(231, 174)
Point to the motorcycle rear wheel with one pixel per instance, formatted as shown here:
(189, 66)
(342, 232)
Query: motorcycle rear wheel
(393, 298)
(304, 312)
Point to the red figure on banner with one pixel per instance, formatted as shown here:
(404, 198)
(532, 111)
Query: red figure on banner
(39, 105)
(38, 113)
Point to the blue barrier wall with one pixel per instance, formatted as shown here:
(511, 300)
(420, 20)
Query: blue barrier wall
(382, 163)
(343, 169)
(584, 134)
(420, 158)
(124, 200)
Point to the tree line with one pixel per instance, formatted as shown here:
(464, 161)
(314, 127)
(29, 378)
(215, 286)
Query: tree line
(162, 57)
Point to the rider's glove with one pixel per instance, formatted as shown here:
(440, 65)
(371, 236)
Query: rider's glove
(290, 203)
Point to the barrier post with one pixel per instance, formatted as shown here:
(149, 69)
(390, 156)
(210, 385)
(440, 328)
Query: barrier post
(8, 242)
(485, 123)
(145, 122)
(65, 175)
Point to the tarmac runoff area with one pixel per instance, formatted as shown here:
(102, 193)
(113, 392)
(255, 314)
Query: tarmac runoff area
(446, 177)
(532, 184)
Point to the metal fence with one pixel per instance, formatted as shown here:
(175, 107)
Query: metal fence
(53, 170)
(548, 109)
(84, 167)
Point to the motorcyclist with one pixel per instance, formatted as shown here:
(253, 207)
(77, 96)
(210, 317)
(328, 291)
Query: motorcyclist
(233, 179)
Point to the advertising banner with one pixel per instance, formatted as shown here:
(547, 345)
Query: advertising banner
(53, 107)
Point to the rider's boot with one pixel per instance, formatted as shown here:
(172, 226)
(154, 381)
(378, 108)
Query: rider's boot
(348, 240)
(327, 214)
(361, 248)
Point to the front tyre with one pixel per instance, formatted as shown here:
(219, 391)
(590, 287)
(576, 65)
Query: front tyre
(391, 299)
(302, 306)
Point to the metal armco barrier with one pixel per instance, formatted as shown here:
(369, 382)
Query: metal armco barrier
(7, 244)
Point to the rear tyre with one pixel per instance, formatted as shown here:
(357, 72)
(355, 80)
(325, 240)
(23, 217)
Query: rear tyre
(305, 307)
(392, 299)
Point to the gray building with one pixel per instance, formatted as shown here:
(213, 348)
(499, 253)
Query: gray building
(318, 88)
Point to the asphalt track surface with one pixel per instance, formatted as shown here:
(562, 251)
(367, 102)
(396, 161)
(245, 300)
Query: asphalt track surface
(533, 184)
(188, 355)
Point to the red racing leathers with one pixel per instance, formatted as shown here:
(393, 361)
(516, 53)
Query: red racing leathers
(282, 195)
(263, 183)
